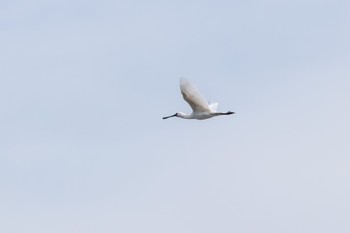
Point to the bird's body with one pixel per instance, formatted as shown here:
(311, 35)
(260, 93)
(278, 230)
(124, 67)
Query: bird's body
(200, 107)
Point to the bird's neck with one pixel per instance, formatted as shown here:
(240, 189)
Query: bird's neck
(184, 115)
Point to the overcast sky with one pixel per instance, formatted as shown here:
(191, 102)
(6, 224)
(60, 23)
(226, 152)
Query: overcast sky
(84, 86)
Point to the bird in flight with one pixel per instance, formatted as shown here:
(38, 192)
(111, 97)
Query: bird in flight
(200, 107)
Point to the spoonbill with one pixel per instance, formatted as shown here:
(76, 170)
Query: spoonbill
(200, 107)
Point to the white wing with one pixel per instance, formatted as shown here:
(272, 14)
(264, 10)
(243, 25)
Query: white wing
(193, 97)
(213, 107)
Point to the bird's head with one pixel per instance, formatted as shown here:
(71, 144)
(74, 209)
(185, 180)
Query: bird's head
(175, 115)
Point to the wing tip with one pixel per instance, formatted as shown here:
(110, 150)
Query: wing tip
(183, 80)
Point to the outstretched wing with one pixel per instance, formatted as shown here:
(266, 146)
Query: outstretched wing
(213, 107)
(193, 96)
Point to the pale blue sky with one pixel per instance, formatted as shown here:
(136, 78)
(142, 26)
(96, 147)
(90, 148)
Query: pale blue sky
(84, 85)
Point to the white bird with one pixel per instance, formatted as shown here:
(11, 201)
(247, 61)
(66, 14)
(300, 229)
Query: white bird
(201, 108)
